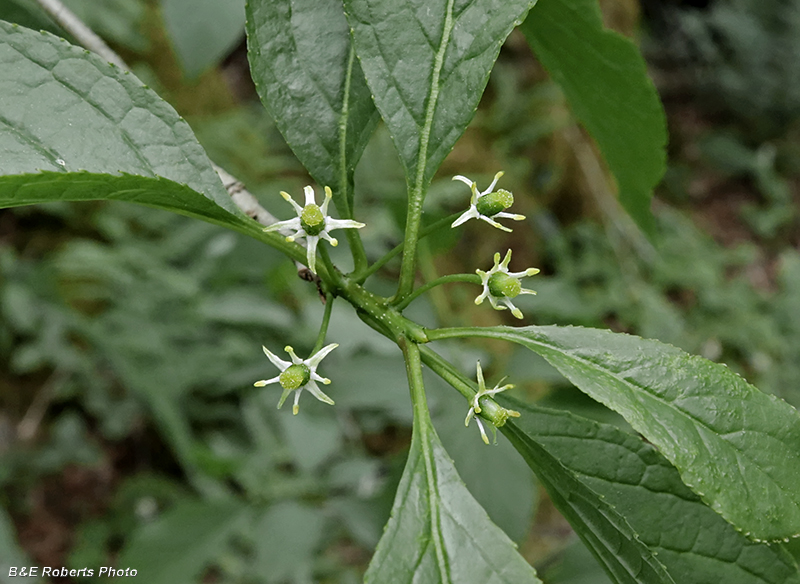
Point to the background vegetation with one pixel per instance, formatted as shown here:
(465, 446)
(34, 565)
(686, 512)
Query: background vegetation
(130, 433)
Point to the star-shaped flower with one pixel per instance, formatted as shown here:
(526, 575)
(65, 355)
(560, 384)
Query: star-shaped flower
(501, 285)
(298, 375)
(475, 408)
(313, 222)
(487, 205)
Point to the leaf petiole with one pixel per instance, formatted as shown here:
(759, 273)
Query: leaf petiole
(394, 252)
(469, 278)
(323, 327)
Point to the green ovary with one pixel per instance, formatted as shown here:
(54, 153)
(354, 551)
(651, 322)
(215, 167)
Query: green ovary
(295, 376)
(502, 285)
(312, 220)
(493, 203)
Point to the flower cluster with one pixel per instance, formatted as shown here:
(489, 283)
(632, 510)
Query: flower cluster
(312, 223)
(487, 205)
(500, 285)
(297, 375)
(475, 407)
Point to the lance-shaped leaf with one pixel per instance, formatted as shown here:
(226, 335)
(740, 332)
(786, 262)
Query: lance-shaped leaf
(73, 127)
(693, 542)
(437, 532)
(605, 532)
(307, 76)
(604, 77)
(736, 447)
(427, 63)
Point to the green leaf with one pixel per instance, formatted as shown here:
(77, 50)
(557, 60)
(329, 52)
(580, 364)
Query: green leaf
(66, 110)
(187, 539)
(608, 535)
(693, 542)
(736, 447)
(28, 189)
(203, 31)
(74, 128)
(605, 80)
(437, 532)
(307, 76)
(427, 64)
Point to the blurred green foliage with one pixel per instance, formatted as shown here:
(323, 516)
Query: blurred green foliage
(129, 338)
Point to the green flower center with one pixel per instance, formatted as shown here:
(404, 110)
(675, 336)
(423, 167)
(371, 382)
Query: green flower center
(493, 203)
(312, 220)
(295, 376)
(502, 285)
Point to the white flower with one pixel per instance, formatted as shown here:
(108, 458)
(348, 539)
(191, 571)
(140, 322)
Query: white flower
(298, 375)
(487, 205)
(476, 407)
(313, 222)
(501, 285)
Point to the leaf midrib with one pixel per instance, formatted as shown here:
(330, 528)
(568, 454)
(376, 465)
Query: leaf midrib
(633, 387)
(425, 432)
(593, 530)
(433, 98)
(343, 120)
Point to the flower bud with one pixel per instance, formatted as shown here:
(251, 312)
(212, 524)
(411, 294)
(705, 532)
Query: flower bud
(493, 203)
(295, 376)
(504, 286)
(312, 220)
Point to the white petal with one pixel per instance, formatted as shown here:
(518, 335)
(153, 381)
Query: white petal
(326, 236)
(514, 310)
(296, 405)
(505, 262)
(311, 252)
(317, 393)
(265, 382)
(463, 179)
(288, 198)
(483, 432)
(288, 224)
(495, 305)
(481, 381)
(277, 361)
(495, 224)
(285, 394)
(470, 413)
(295, 359)
(470, 213)
(479, 300)
(504, 215)
(328, 197)
(526, 291)
(494, 182)
(309, 191)
(314, 360)
(342, 224)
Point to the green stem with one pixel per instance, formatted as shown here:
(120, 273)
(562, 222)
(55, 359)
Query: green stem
(360, 277)
(374, 309)
(345, 185)
(461, 332)
(424, 434)
(417, 194)
(469, 278)
(331, 272)
(323, 327)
